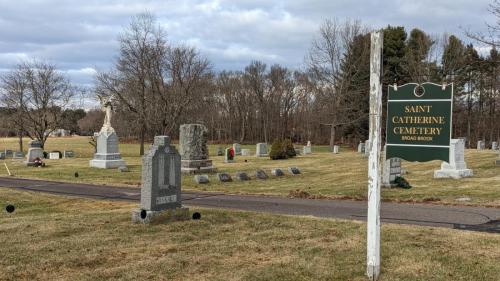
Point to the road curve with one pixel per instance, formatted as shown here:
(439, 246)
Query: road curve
(403, 213)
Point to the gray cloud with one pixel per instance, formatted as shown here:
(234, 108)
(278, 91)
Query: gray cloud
(80, 36)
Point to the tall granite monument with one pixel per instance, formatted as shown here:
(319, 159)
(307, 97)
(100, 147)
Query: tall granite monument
(161, 184)
(107, 155)
(193, 149)
(456, 168)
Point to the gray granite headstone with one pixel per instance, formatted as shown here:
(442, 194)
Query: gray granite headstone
(161, 181)
(298, 151)
(237, 148)
(193, 149)
(220, 151)
(294, 170)
(480, 145)
(494, 145)
(242, 176)
(68, 154)
(391, 170)
(9, 153)
(201, 179)
(34, 151)
(261, 150)
(18, 155)
(224, 177)
(261, 175)
(361, 147)
(277, 172)
(2, 155)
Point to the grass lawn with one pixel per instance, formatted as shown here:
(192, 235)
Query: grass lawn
(52, 237)
(324, 174)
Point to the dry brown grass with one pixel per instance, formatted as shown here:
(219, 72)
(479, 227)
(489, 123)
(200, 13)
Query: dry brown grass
(59, 238)
(325, 175)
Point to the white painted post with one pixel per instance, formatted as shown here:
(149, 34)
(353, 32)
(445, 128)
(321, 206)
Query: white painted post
(374, 165)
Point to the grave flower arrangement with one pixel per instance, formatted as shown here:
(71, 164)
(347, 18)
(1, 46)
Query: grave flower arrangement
(231, 154)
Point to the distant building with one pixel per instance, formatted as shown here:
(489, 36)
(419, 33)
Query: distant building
(60, 133)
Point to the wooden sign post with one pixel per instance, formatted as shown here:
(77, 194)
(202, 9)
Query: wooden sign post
(418, 129)
(374, 160)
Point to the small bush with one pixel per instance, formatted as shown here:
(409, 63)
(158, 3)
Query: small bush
(289, 149)
(277, 151)
(402, 182)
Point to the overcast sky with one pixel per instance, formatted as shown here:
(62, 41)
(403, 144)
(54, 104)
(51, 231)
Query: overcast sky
(80, 36)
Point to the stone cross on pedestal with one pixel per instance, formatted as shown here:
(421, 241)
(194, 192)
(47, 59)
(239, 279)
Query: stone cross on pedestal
(161, 182)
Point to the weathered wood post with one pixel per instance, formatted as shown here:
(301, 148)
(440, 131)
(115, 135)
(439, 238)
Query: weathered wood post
(374, 164)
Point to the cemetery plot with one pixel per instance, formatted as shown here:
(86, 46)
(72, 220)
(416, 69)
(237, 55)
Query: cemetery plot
(324, 174)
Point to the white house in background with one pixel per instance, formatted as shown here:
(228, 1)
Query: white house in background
(60, 133)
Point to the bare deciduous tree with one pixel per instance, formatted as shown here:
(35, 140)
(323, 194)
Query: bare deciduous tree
(325, 60)
(39, 93)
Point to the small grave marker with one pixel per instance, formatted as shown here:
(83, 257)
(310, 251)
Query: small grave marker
(242, 176)
(69, 154)
(245, 152)
(237, 148)
(294, 170)
(224, 177)
(277, 172)
(260, 174)
(54, 155)
(201, 179)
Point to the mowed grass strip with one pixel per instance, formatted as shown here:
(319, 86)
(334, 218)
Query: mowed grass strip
(325, 174)
(60, 238)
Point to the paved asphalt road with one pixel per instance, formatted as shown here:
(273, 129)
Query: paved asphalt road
(417, 214)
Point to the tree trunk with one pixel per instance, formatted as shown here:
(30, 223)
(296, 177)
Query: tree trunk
(332, 136)
(20, 140)
(141, 149)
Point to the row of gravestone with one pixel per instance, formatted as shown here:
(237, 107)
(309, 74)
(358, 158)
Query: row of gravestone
(11, 154)
(481, 145)
(456, 168)
(242, 176)
(260, 151)
(51, 155)
(363, 147)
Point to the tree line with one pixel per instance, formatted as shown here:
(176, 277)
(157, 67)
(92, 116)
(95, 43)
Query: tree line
(158, 85)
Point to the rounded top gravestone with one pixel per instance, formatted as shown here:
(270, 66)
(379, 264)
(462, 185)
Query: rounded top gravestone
(35, 144)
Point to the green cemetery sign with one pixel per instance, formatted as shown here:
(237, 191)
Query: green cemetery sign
(419, 122)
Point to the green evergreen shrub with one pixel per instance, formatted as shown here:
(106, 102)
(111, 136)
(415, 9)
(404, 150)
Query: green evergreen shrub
(277, 150)
(289, 149)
